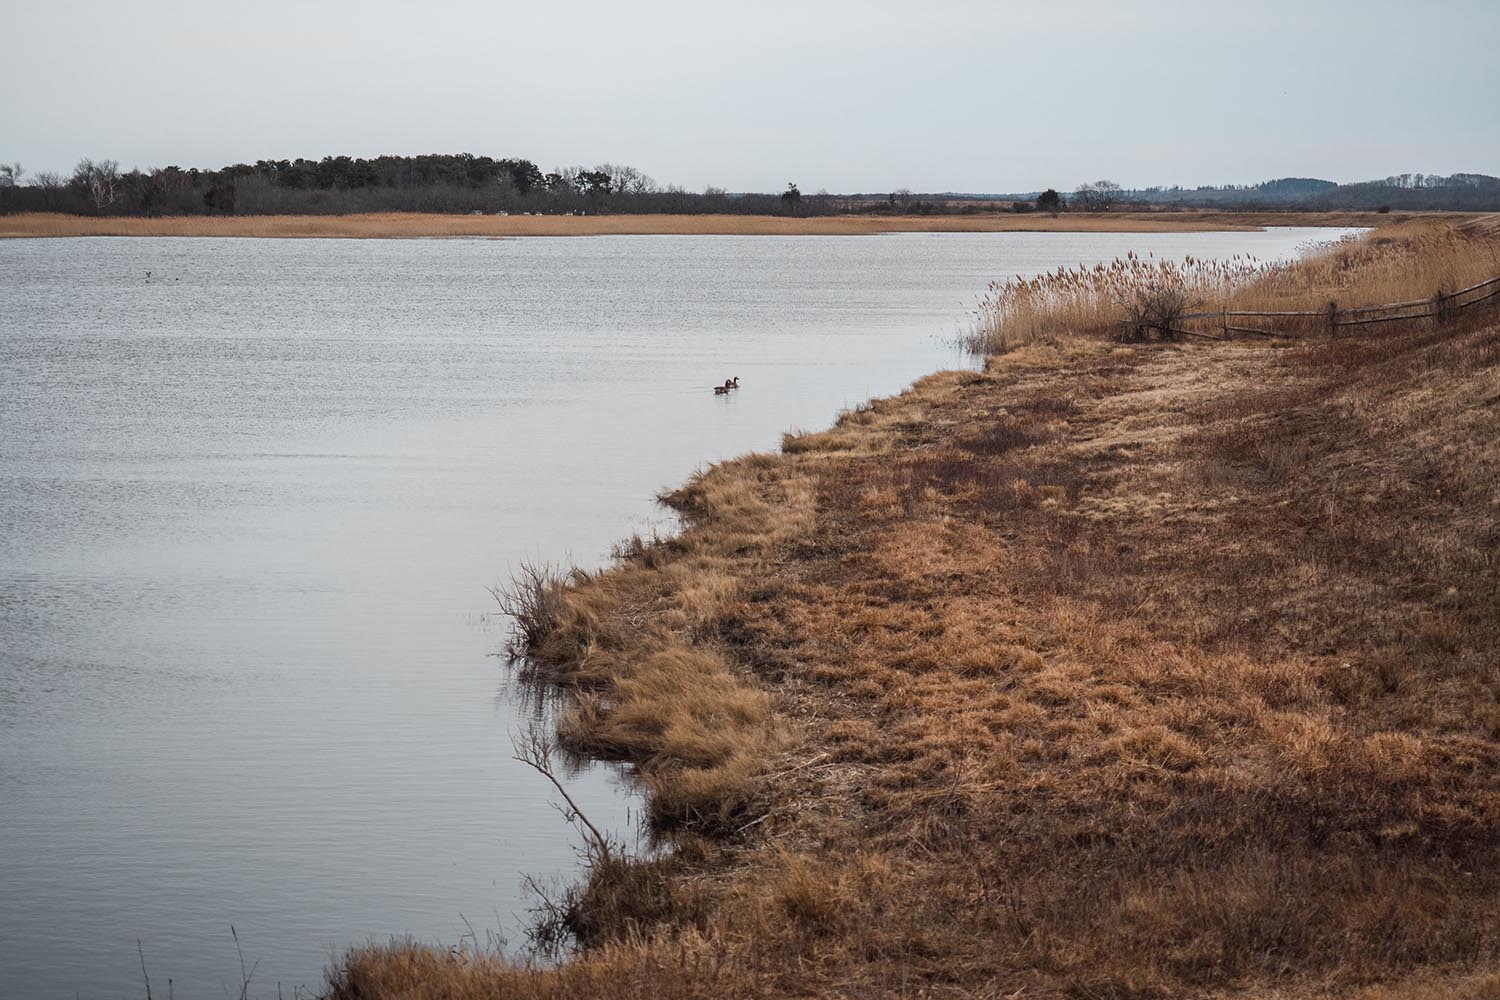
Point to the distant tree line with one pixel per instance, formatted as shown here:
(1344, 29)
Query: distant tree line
(451, 183)
(1408, 192)
(1417, 192)
(1100, 196)
(1402, 192)
(462, 182)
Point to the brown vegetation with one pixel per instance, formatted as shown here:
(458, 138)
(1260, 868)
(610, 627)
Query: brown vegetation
(415, 225)
(1109, 672)
(1409, 259)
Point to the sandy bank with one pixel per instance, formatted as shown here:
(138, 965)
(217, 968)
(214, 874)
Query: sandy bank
(394, 225)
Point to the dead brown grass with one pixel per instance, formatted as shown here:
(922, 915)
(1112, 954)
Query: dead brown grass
(1408, 259)
(390, 225)
(629, 645)
(1110, 672)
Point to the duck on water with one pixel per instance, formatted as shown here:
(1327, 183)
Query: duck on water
(729, 383)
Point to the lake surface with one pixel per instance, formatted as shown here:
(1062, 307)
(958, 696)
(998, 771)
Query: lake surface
(252, 492)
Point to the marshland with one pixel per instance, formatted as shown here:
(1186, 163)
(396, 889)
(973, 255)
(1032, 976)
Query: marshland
(1111, 669)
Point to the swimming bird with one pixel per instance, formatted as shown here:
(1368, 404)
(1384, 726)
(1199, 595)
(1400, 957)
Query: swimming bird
(729, 383)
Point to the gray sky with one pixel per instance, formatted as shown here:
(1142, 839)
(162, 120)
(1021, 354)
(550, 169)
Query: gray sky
(848, 96)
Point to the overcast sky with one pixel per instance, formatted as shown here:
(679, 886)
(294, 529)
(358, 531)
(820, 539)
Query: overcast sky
(848, 96)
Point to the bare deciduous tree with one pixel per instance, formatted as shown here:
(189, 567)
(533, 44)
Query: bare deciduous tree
(1099, 196)
(97, 180)
(627, 179)
(51, 185)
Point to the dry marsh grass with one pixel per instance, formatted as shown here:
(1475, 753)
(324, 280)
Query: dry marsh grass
(1113, 671)
(391, 225)
(1403, 261)
(629, 645)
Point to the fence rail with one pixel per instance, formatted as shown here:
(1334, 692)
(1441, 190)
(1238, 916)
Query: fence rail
(1442, 305)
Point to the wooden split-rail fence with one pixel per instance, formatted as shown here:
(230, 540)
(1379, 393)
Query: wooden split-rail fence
(1271, 323)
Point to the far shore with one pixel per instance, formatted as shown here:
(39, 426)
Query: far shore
(405, 225)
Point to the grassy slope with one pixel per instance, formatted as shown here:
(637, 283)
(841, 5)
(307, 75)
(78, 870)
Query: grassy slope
(1109, 672)
(413, 224)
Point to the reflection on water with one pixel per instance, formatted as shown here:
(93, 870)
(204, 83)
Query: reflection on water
(252, 492)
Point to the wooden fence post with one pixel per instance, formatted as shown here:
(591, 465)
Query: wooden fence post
(1333, 317)
(1440, 306)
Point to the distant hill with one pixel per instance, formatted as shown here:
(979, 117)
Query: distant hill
(1286, 191)
(1458, 192)
(1401, 192)
(1295, 187)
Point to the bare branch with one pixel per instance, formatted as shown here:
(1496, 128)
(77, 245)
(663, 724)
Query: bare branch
(534, 749)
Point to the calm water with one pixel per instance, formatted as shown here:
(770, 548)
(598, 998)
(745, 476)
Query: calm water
(251, 502)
